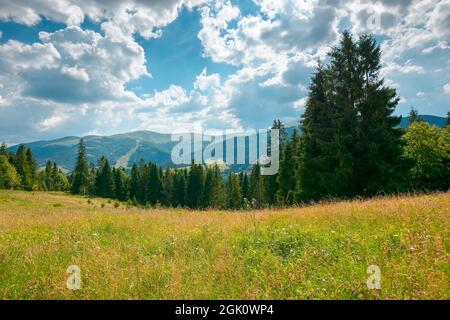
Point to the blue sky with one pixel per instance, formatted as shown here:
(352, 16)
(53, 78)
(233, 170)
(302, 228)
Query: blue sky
(72, 67)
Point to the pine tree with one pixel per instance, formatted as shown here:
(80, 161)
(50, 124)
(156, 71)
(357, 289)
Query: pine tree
(234, 192)
(134, 184)
(195, 187)
(256, 187)
(23, 168)
(447, 119)
(120, 185)
(318, 161)
(213, 188)
(80, 177)
(4, 150)
(377, 161)
(286, 175)
(32, 166)
(245, 187)
(167, 188)
(155, 185)
(413, 115)
(180, 189)
(104, 181)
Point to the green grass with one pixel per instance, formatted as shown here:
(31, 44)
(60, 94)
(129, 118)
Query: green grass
(318, 252)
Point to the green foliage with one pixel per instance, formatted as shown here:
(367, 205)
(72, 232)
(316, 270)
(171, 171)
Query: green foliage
(351, 144)
(9, 179)
(257, 192)
(195, 187)
(80, 177)
(234, 192)
(428, 147)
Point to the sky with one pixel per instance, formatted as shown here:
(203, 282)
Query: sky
(81, 67)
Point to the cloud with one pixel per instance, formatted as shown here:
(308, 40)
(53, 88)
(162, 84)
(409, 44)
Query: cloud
(446, 88)
(73, 66)
(118, 17)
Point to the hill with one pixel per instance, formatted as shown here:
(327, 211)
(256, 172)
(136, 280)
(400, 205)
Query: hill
(317, 252)
(122, 150)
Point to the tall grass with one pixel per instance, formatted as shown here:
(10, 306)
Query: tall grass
(317, 252)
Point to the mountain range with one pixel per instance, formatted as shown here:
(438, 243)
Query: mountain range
(122, 150)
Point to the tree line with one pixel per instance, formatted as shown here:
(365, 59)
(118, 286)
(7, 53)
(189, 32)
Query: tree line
(19, 170)
(348, 144)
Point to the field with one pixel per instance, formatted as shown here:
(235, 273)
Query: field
(317, 252)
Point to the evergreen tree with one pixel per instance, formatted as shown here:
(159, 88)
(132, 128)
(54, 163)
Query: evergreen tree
(234, 192)
(213, 188)
(32, 166)
(104, 181)
(120, 185)
(318, 161)
(256, 187)
(286, 175)
(4, 150)
(134, 184)
(180, 189)
(245, 187)
(195, 187)
(80, 177)
(378, 163)
(447, 119)
(412, 117)
(167, 188)
(23, 168)
(155, 184)
(351, 144)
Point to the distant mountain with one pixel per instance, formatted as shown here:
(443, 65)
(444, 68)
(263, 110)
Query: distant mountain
(122, 150)
(433, 120)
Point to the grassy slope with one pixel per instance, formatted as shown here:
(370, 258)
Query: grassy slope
(310, 253)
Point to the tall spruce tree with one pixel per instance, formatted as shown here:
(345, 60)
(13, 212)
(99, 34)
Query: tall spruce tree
(104, 181)
(351, 144)
(80, 176)
(23, 167)
(413, 115)
(134, 184)
(234, 194)
(318, 160)
(378, 163)
(257, 193)
(286, 176)
(195, 187)
(154, 184)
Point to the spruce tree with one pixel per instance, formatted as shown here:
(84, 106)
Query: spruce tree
(318, 160)
(167, 188)
(286, 175)
(80, 176)
(234, 192)
(378, 163)
(257, 187)
(195, 187)
(104, 181)
(23, 168)
(154, 184)
(120, 185)
(412, 117)
(134, 184)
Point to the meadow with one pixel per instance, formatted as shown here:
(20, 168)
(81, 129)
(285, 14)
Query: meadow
(316, 252)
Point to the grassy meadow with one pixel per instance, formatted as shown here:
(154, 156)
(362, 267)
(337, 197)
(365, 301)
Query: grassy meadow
(316, 252)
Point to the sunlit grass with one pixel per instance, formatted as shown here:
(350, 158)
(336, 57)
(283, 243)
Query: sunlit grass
(318, 252)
